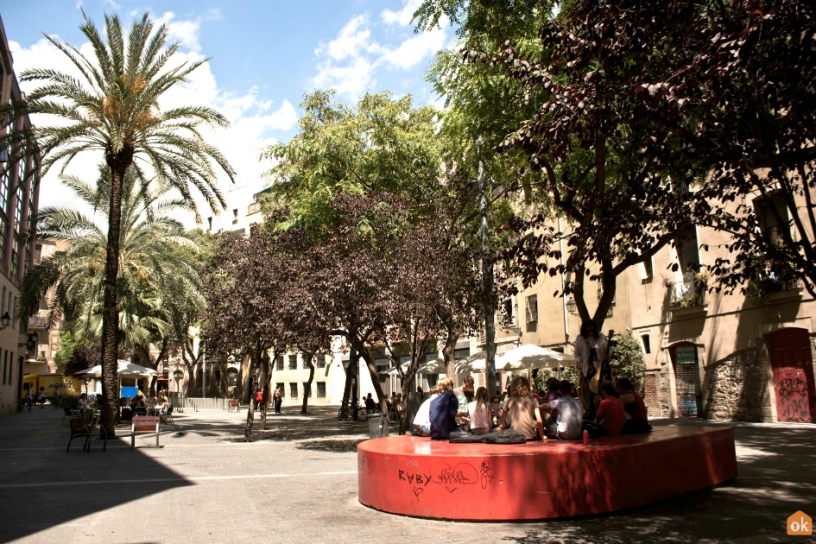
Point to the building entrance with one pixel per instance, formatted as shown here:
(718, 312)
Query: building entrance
(792, 364)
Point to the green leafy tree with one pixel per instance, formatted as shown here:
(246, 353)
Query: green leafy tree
(627, 360)
(112, 108)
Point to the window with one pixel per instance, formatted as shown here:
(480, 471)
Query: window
(647, 343)
(532, 308)
(232, 377)
(320, 361)
(235, 216)
(321, 390)
(293, 362)
(280, 386)
(307, 391)
(209, 224)
(293, 390)
(507, 311)
(279, 362)
(646, 270)
(772, 214)
(461, 353)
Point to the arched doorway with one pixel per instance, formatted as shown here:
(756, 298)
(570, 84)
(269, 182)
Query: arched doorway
(687, 379)
(792, 364)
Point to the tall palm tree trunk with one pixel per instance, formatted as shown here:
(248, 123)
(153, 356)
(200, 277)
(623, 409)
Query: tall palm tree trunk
(110, 312)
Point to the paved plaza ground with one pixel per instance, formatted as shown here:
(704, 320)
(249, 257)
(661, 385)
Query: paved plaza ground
(297, 482)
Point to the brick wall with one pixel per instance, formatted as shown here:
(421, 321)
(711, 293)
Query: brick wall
(656, 393)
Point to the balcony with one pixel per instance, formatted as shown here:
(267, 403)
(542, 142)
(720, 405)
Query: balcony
(38, 321)
(255, 207)
(690, 293)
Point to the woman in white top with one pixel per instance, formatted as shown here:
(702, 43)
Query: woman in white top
(422, 419)
(479, 412)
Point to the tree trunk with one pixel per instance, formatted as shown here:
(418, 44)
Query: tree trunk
(375, 377)
(110, 311)
(264, 386)
(251, 410)
(347, 387)
(307, 359)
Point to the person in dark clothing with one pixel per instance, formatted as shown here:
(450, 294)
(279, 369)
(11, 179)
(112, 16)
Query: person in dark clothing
(444, 409)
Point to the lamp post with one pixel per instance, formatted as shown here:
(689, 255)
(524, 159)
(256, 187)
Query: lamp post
(5, 321)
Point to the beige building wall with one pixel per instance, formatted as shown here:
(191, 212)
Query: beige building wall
(729, 334)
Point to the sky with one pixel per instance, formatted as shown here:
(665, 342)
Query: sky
(265, 55)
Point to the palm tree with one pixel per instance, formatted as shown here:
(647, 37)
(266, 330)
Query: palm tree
(113, 108)
(157, 268)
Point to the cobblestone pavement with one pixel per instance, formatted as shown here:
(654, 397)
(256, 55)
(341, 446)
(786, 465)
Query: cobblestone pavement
(297, 482)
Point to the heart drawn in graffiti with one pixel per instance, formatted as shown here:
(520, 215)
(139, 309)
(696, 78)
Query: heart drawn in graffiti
(418, 491)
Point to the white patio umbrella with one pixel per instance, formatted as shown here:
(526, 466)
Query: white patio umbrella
(475, 363)
(124, 368)
(529, 356)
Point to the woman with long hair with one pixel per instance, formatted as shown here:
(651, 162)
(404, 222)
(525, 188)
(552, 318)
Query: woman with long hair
(525, 417)
(479, 412)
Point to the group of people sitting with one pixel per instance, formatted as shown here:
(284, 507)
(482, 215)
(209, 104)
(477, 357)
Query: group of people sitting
(556, 415)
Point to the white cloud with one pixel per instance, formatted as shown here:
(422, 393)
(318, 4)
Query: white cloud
(350, 80)
(182, 31)
(351, 42)
(348, 64)
(413, 50)
(402, 17)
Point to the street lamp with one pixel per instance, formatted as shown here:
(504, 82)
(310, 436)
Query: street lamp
(5, 321)
(572, 306)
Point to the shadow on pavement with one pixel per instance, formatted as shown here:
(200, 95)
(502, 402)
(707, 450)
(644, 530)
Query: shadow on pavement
(777, 477)
(42, 486)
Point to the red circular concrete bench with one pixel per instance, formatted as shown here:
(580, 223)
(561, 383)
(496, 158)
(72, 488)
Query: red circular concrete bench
(538, 480)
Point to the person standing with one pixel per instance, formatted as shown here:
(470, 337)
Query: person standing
(29, 398)
(590, 352)
(41, 397)
(278, 398)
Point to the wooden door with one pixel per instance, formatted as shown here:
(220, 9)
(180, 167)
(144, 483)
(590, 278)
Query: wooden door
(792, 365)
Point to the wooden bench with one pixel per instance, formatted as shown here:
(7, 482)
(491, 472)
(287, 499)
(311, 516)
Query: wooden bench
(234, 403)
(144, 425)
(427, 478)
(82, 428)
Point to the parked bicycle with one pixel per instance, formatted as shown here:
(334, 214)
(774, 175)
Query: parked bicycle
(346, 413)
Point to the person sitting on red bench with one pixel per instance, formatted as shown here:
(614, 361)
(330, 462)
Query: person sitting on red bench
(611, 413)
(638, 421)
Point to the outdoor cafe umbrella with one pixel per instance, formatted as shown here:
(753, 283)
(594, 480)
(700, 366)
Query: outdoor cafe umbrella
(529, 356)
(475, 363)
(125, 368)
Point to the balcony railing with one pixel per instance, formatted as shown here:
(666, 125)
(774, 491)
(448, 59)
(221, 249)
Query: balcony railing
(255, 207)
(37, 322)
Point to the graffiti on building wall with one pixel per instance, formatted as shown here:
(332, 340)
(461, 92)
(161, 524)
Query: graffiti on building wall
(792, 395)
